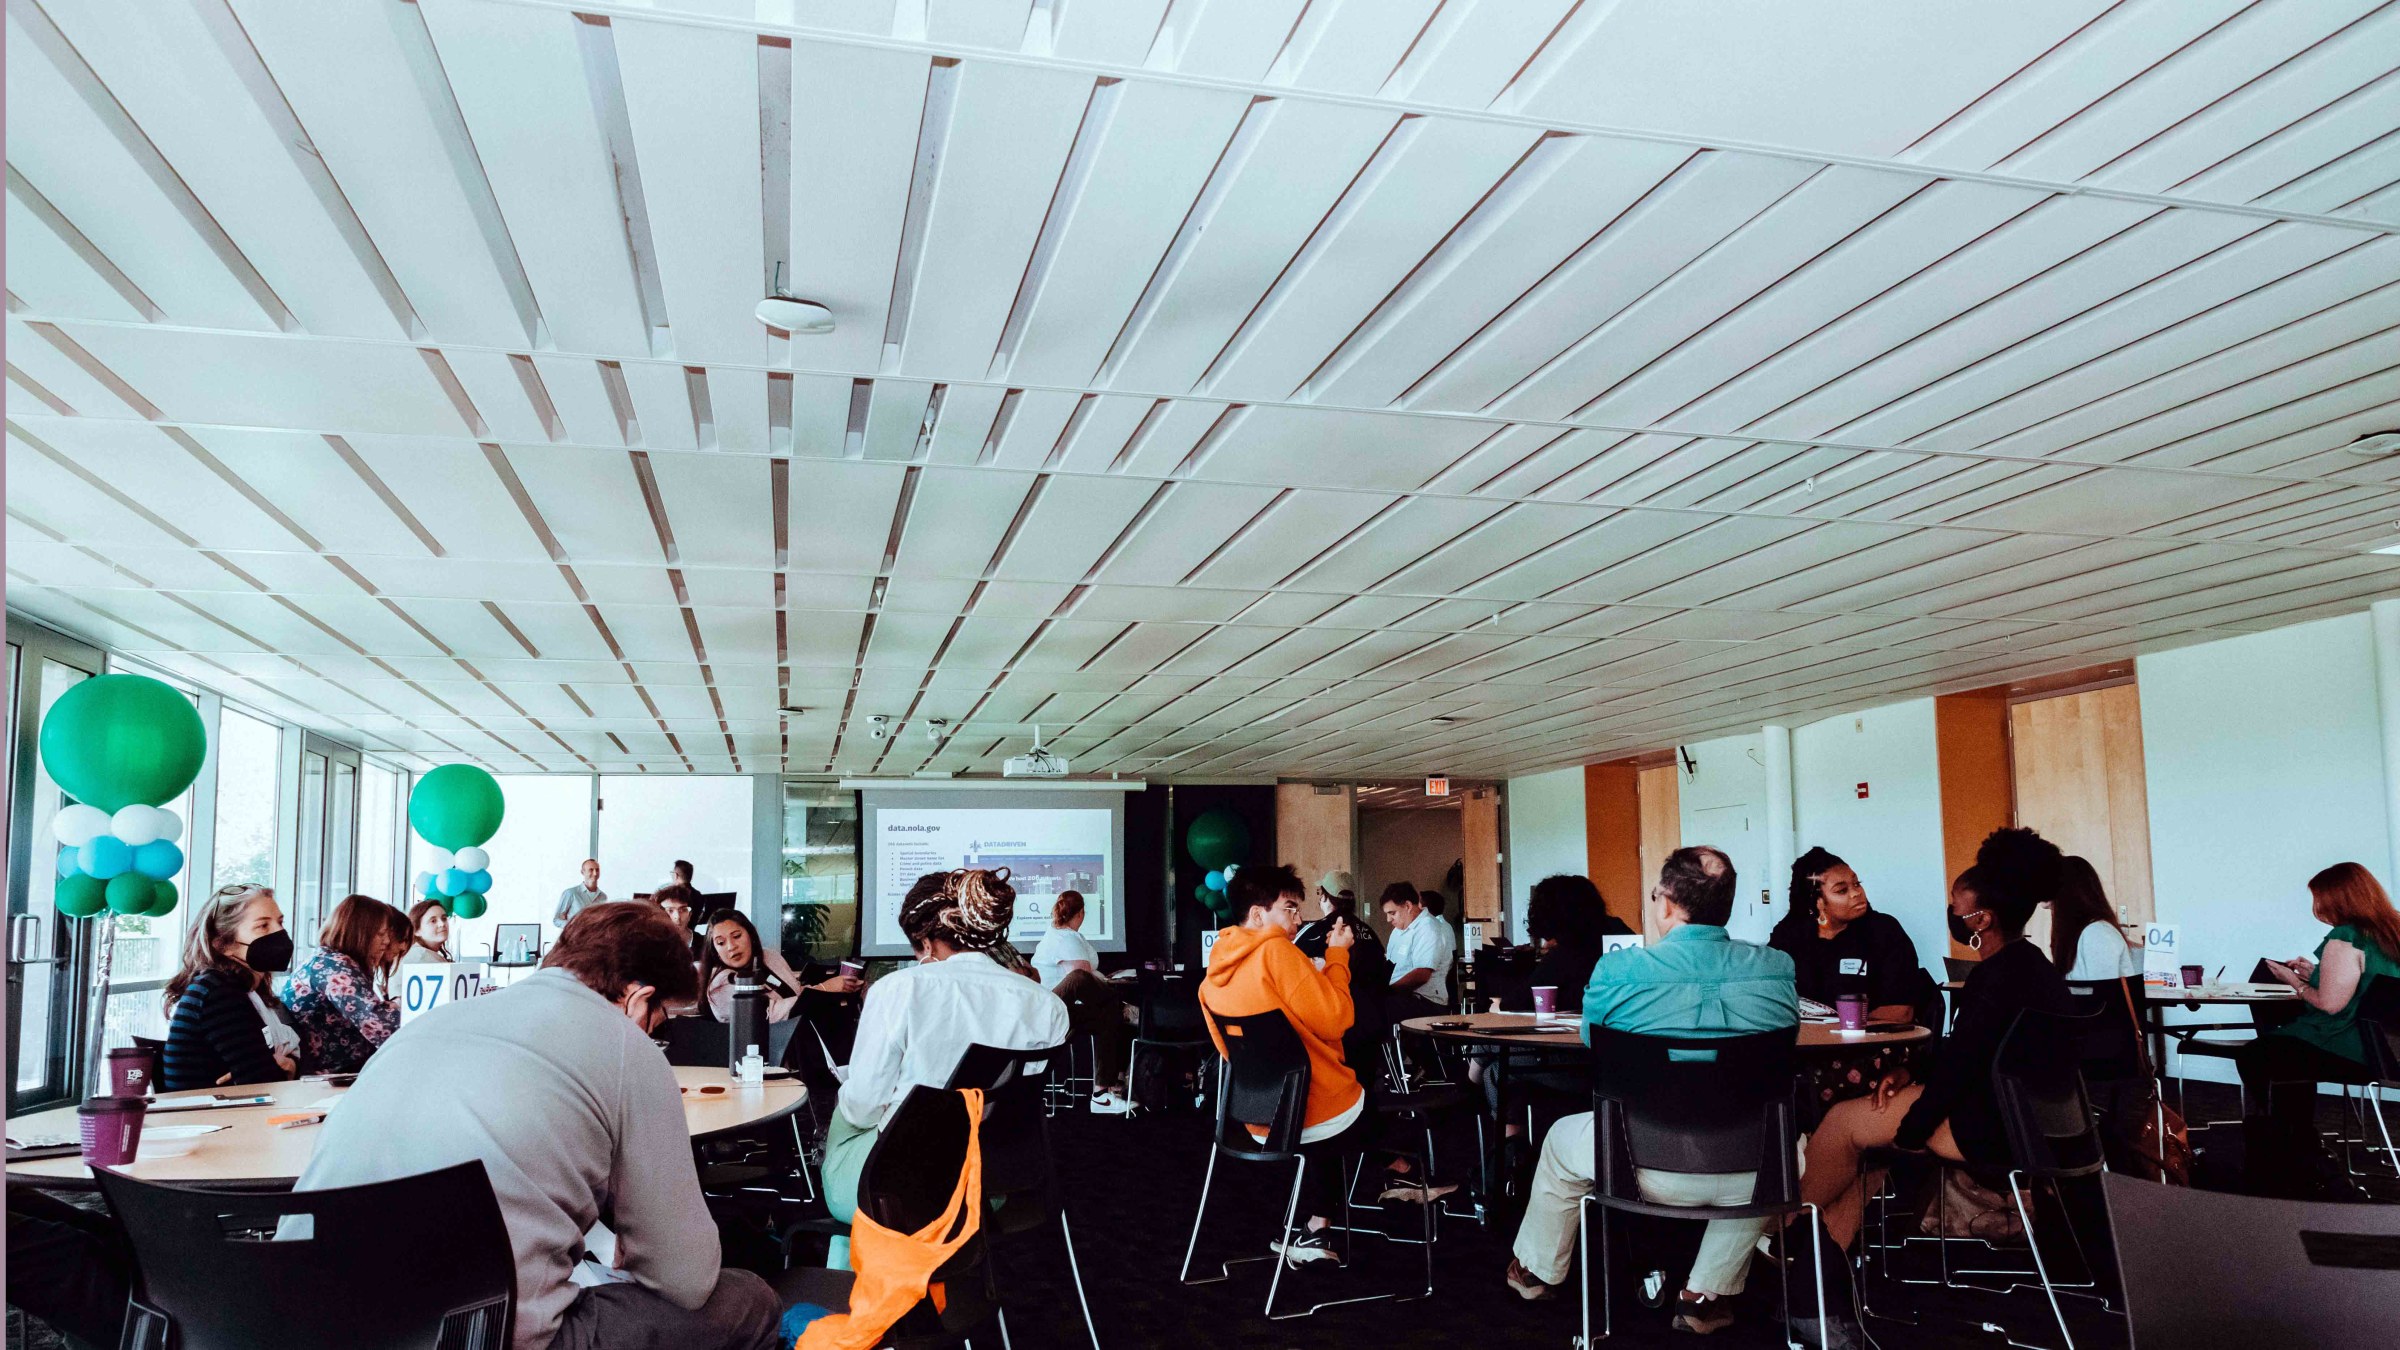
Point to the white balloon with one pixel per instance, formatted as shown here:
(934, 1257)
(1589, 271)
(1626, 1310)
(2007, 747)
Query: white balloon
(170, 825)
(136, 825)
(76, 825)
(416, 888)
(437, 859)
(471, 859)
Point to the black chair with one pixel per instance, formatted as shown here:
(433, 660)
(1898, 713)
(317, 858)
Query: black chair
(1170, 1027)
(705, 1043)
(227, 1271)
(2379, 1040)
(905, 1184)
(1020, 1173)
(1263, 1081)
(2200, 1268)
(1698, 1105)
(2117, 1073)
(2053, 1136)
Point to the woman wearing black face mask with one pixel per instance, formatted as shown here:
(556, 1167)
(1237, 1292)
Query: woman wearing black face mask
(225, 1024)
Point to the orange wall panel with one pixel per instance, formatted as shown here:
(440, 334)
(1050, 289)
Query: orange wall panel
(1612, 835)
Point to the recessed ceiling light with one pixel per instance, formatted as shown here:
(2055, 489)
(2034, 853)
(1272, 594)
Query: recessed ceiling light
(792, 710)
(800, 318)
(2376, 443)
(2387, 548)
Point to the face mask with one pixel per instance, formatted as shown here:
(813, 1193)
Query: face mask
(270, 953)
(1966, 935)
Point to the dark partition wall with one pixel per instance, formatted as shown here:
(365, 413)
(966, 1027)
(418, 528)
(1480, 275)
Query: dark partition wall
(1145, 869)
(1255, 805)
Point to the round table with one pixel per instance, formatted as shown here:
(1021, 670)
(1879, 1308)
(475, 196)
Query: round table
(250, 1154)
(1524, 1029)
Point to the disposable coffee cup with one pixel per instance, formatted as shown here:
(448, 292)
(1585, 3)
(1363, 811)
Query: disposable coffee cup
(1852, 1010)
(131, 1071)
(1545, 999)
(112, 1129)
(853, 969)
(2192, 976)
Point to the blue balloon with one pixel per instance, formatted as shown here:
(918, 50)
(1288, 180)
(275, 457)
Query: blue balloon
(479, 881)
(158, 860)
(452, 881)
(104, 856)
(67, 865)
(433, 885)
(1215, 880)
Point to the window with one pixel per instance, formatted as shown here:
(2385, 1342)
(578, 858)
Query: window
(820, 872)
(44, 1011)
(647, 821)
(378, 832)
(245, 843)
(545, 835)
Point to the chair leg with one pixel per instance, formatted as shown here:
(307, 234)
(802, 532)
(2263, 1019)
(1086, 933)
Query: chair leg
(1283, 1256)
(1000, 1315)
(2041, 1267)
(1816, 1244)
(2386, 1130)
(1583, 1244)
(1194, 1244)
(1075, 1269)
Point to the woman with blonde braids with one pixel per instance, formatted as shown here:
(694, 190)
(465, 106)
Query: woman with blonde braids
(919, 1020)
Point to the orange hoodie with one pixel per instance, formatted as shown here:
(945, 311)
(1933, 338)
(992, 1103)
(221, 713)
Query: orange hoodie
(1255, 970)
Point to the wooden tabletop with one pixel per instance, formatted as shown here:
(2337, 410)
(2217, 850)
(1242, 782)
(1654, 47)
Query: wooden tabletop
(251, 1154)
(1526, 1029)
(2207, 993)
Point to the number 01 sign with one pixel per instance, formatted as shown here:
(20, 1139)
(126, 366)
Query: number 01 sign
(426, 987)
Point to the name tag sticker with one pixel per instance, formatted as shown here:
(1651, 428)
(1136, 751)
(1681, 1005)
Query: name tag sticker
(1854, 965)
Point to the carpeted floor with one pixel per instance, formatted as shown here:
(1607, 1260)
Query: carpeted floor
(1136, 1183)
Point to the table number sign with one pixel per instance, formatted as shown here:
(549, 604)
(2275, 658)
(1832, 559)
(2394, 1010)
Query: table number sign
(2162, 956)
(1617, 942)
(426, 987)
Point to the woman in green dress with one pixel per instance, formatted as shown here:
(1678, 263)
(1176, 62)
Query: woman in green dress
(2281, 1069)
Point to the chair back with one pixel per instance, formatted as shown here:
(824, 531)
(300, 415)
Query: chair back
(2108, 1032)
(2208, 1268)
(305, 1270)
(2378, 1025)
(1170, 1008)
(1957, 968)
(2037, 1083)
(1017, 1163)
(1265, 1084)
(1697, 1104)
(906, 1183)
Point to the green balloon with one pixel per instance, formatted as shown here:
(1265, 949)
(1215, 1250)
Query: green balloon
(120, 740)
(456, 806)
(80, 896)
(1217, 838)
(468, 905)
(129, 893)
(162, 899)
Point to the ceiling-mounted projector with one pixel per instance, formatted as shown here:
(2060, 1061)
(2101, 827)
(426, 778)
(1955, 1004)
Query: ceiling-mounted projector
(1038, 763)
(797, 317)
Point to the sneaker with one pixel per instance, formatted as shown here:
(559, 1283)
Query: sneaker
(1840, 1334)
(1525, 1285)
(1107, 1103)
(1409, 1188)
(1702, 1318)
(1307, 1248)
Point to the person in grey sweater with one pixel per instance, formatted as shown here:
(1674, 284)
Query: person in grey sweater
(554, 1085)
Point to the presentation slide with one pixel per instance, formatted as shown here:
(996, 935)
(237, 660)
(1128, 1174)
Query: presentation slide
(1049, 842)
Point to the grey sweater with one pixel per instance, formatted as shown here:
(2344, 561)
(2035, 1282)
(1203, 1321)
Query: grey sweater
(575, 1115)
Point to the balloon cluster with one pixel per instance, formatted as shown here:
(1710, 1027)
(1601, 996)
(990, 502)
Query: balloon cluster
(124, 863)
(457, 809)
(1216, 840)
(120, 745)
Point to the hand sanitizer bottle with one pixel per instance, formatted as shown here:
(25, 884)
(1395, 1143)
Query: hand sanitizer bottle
(754, 1068)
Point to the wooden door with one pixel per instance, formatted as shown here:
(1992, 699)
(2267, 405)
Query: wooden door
(2079, 780)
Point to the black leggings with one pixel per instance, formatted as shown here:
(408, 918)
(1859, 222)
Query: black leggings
(2281, 1074)
(1321, 1198)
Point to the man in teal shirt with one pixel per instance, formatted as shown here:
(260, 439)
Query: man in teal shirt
(1695, 980)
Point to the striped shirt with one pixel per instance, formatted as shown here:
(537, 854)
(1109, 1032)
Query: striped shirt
(216, 1036)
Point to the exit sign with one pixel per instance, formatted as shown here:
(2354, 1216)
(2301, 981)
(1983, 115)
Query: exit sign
(1437, 787)
(1862, 792)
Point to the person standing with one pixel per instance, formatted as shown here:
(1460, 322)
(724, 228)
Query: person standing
(554, 1086)
(576, 899)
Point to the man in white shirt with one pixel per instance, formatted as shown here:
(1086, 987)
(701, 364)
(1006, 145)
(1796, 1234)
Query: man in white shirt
(576, 899)
(554, 1086)
(1420, 952)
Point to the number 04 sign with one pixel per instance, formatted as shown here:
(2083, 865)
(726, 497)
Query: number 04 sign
(426, 987)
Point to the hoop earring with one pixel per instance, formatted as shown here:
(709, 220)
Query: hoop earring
(1975, 941)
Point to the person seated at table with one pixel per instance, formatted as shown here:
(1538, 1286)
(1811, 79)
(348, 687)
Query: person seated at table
(1421, 949)
(1565, 918)
(1069, 967)
(1256, 969)
(554, 1085)
(341, 1015)
(1842, 945)
(225, 1024)
(429, 929)
(1695, 980)
(919, 1020)
(1953, 1113)
(2281, 1068)
(1337, 901)
(2085, 941)
(734, 953)
(680, 902)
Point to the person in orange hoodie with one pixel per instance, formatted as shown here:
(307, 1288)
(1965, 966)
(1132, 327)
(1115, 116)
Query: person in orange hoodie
(1254, 969)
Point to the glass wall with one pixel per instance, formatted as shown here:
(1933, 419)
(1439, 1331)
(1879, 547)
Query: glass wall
(647, 821)
(43, 1012)
(379, 834)
(820, 872)
(544, 837)
(245, 826)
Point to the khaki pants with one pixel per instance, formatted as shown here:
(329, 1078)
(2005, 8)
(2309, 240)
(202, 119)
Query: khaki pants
(1546, 1239)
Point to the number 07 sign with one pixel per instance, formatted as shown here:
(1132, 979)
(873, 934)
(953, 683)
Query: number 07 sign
(426, 987)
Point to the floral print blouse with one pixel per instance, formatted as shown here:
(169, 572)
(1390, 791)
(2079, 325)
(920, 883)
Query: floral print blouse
(340, 1016)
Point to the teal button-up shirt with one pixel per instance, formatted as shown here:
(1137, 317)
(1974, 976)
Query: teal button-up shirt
(1695, 981)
